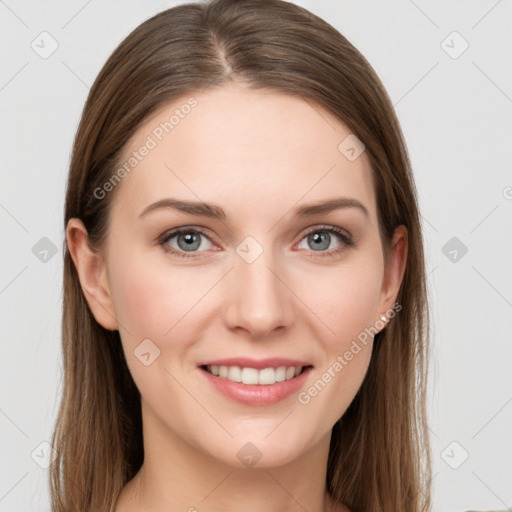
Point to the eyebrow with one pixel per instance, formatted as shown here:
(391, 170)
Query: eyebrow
(210, 210)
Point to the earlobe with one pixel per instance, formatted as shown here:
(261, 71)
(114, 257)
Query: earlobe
(92, 274)
(395, 269)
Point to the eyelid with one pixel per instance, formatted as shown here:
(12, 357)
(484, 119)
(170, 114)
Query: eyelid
(187, 227)
(344, 235)
(322, 227)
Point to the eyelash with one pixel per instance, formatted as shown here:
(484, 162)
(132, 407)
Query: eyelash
(346, 239)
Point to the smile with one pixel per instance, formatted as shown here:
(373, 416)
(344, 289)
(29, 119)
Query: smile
(247, 375)
(261, 386)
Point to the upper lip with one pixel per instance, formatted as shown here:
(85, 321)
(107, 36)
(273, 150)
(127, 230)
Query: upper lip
(258, 364)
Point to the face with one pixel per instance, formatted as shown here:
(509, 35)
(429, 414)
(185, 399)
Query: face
(258, 285)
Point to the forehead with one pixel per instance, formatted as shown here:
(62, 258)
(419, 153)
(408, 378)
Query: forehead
(256, 149)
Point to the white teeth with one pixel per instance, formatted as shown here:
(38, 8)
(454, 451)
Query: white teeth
(235, 374)
(280, 373)
(250, 376)
(265, 376)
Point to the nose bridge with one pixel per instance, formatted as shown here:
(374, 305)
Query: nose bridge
(261, 301)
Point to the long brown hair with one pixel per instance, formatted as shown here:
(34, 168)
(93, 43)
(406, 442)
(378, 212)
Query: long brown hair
(379, 456)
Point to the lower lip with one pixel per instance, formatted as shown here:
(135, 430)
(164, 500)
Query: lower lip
(258, 394)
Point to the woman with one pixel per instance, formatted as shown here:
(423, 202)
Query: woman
(245, 319)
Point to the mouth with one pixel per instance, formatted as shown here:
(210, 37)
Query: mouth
(256, 376)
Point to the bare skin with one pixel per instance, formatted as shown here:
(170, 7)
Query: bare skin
(258, 155)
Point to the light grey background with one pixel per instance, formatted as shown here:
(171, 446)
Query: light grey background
(456, 114)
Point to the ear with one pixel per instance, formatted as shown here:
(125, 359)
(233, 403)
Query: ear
(394, 271)
(92, 274)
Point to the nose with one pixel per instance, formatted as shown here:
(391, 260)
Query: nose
(259, 300)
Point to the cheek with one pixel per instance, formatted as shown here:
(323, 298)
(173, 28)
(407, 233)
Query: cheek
(147, 300)
(151, 303)
(152, 297)
(345, 299)
(347, 305)
(352, 305)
